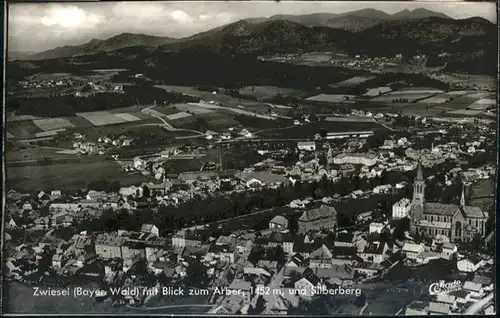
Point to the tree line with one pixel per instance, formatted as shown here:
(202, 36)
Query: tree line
(59, 105)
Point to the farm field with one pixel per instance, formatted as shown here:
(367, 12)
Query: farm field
(31, 153)
(72, 175)
(483, 103)
(354, 119)
(372, 92)
(411, 97)
(355, 81)
(266, 92)
(194, 108)
(178, 115)
(435, 100)
(53, 123)
(107, 118)
(49, 133)
(23, 129)
(215, 121)
(331, 98)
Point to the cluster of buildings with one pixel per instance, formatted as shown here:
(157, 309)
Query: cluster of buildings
(99, 147)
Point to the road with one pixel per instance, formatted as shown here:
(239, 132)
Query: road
(165, 123)
(479, 305)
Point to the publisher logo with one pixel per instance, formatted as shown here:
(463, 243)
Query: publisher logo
(443, 287)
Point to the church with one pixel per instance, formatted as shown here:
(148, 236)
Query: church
(457, 222)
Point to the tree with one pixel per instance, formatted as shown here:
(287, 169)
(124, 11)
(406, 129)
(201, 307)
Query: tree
(146, 192)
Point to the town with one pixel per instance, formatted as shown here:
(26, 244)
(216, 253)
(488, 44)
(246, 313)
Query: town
(254, 158)
(306, 232)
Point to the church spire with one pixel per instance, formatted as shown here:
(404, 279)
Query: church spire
(462, 198)
(420, 175)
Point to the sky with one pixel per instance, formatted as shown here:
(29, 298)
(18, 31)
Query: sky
(34, 27)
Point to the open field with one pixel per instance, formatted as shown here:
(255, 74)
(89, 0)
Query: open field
(465, 112)
(178, 115)
(331, 98)
(192, 108)
(72, 175)
(23, 129)
(215, 121)
(53, 123)
(377, 91)
(107, 118)
(411, 97)
(482, 104)
(353, 81)
(266, 92)
(49, 133)
(434, 100)
(32, 153)
(353, 119)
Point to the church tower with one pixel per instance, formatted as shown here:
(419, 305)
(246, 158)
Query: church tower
(419, 187)
(417, 206)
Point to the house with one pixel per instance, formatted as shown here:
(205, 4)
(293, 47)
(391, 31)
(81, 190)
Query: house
(435, 308)
(42, 223)
(285, 240)
(484, 281)
(63, 207)
(260, 178)
(133, 250)
(344, 239)
(401, 209)
(62, 219)
(223, 253)
(417, 308)
(306, 145)
(376, 227)
(150, 229)
(340, 275)
(382, 188)
(355, 159)
(279, 223)
(365, 216)
(96, 195)
(447, 299)
(57, 260)
(322, 257)
(12, 224)
(108, 246)
(412, 250)
(240, 286)
(475, 290)
(374, 252)
(307, 286)
(322, 218)
(448, 250)
(54, 194)
(470, 264)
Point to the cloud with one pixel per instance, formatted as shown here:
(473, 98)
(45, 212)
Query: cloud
(70, 18)
(181, 17)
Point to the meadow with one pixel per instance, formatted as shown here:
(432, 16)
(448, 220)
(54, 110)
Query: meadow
(72, 175)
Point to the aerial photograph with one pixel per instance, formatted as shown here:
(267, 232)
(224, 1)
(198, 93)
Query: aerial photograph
(250, 157)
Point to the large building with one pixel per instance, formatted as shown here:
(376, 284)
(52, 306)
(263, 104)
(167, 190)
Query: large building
(401, 209)
(322, 218)
(457, 222)
(355, 159)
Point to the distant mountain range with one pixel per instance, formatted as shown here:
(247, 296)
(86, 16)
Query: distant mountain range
(371, 32)
(114, 43)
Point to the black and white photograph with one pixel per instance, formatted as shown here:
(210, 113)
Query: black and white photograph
(217, 158)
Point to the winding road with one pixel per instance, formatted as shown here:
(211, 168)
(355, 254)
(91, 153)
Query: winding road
(165, 123)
